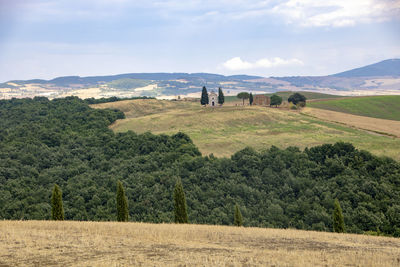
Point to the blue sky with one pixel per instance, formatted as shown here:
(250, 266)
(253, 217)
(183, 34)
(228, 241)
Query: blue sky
(46, 39)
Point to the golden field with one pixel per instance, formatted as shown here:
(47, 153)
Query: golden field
(68, 243)
(225, 130)
(389, 127)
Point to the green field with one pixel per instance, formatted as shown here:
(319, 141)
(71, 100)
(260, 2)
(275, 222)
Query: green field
(223, 131)
(285, 95)
(382, 107)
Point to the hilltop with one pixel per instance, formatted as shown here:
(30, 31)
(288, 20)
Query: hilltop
(223, 131)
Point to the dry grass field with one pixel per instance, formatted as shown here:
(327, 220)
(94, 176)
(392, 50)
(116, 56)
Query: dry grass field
(225, 130)
(50, 243)
(382, 107)
(389, 127)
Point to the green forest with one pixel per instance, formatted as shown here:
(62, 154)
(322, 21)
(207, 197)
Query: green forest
(65, 142)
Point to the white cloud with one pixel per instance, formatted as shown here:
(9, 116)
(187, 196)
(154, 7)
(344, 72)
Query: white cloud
(337, 13)
(309, 13)
(317, 13)
(237, 63)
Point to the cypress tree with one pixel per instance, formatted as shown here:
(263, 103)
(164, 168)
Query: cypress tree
(122, 204)
(338, 221)
(180, 209)
(251, 99)
(237, 219)
(204, 96)
(221, 97)
(57, 210)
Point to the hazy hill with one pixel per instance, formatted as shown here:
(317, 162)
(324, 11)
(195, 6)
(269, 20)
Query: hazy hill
(379, 78)
(93, 80)
(390, 67)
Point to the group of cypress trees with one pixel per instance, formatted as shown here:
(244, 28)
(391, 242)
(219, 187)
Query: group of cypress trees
(204, 96)
(180, 208)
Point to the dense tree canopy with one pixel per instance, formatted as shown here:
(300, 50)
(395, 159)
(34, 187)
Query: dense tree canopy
(276, 100)
(297, 98)
(65, 142)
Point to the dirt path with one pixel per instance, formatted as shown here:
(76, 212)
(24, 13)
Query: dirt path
(381, 126)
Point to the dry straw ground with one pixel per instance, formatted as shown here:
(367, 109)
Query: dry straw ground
(49, 243)
(390, 127)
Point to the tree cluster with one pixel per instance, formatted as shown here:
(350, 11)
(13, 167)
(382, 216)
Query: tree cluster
(65, 142)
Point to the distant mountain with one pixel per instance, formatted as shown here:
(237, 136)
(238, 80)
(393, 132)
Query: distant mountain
(390, 67)
(379, 78)
(93, 80)
(384, 75)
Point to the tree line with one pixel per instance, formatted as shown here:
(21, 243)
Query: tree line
(65, 142)
(180, 208)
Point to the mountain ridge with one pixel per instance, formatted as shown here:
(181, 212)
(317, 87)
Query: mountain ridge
(378, 78)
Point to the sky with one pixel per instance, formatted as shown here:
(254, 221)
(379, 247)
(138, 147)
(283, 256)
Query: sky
(50, 38)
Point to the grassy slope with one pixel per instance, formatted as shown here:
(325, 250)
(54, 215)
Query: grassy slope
(223, 131)
(50, 243)
(383, 107)
(285, 95)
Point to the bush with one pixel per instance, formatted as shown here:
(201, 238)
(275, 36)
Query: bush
(301, 104)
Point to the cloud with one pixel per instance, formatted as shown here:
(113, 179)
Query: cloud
(310, 13)
(337, 13)
(237, 63)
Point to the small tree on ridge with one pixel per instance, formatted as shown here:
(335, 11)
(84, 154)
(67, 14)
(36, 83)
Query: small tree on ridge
(204, 96)
(276, 100)
(297, 98)
(243, 96)
(221, 97)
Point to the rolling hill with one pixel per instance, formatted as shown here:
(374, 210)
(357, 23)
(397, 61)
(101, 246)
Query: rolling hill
(379, 78)
(383, 107)
(276, 184)
(390, 67)
(223, 131)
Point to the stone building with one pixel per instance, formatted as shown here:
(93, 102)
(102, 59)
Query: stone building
(212, 99)
(261, 100)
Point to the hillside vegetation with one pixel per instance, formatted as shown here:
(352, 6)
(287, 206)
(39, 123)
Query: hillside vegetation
(383, 107)
(286, 94)
(224, 131)
(66, 142)
(40, 243)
